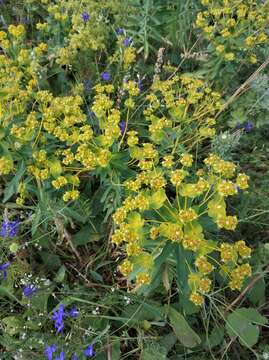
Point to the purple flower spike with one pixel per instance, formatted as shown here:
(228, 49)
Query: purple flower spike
(3, 269)
(105, 76)
(85, 16)
(140, 85)
(126, 42)
(74, 357)
(49, 350)
(122, 126)
(61, 357)
(248, 126)
(9, 228)
(29, 290)
(73, 312)
(58, 317)
(119, 31)
(89, 352)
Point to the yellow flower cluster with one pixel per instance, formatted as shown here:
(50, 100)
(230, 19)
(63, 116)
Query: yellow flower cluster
(235, 29)
(178, 95)
(149, 193)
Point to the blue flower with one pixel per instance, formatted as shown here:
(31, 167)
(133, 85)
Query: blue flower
(3, 268)
(49, 350)
(61, 357)
(248, 126)
(119, 31)
(105, 76)
(29, 290)
(140, 84)
(58, 317)
(73, 312)
(122, 126)
(126, 42)
(74, 357)
(89, 352)
(85, 16)
(9, 228)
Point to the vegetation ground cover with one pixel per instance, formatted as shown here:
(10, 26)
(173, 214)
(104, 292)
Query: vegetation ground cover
(134, 165)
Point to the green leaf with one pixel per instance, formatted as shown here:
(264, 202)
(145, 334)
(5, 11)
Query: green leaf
(59, 277)
(257, 294)
(13, 185)
(182, 330)
(51, 261)
(6, 293)
(151, 349)
(244, 324)
(36, 221)
(13, 325)
(215, 338)
(85, 235)
(116, 353)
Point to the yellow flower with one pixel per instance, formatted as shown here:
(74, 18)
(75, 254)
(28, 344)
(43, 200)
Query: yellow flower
(16, 31)
(192, 241)
(203, 265)
(227, 222)
(242, 181)
(243, 250)
(177, 176)
(253, 59)
(229, 56)
(70, 195)
(59, 182)
(197, 299)
(129, 56)
(220, 49)
(249, 41)
(6, 165)
(228, 253)
(186, 160)
(204, 285)
(126, 267)
(187, 215)
(133, 249)
(226, 188)
(142, 278)
(168, 161)
(132, 139)
(154, 233)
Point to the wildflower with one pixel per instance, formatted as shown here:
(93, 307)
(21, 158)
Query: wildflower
(143, 278)
(61, 357)
(122, 126)
(119, 31)
(89, 352)
(85, 16)
(58, 317)
(49, 350)
(73, 312)
(29, 290)
(9, 228)
(140, 84)
(3, 268)
(126, 42)
(197, 299)
(126, 267)
(242, 181)
(105, 76)
(74, 357)
(248, 126)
